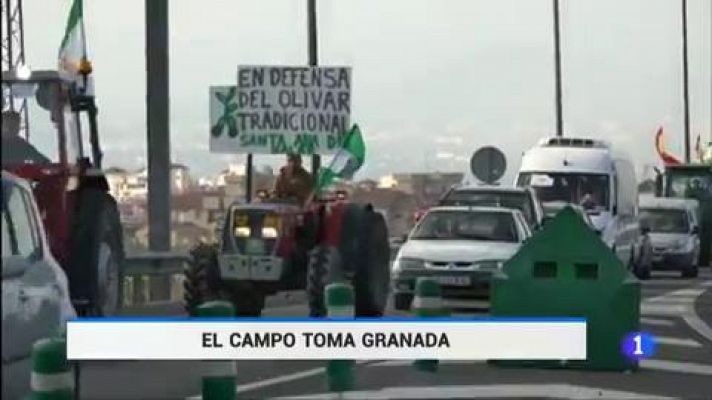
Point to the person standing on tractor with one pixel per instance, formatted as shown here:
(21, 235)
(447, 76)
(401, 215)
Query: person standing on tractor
(15, 149)
(293, 181)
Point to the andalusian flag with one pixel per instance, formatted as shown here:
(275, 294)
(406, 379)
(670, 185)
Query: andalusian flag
(73, 50)
(346, 162)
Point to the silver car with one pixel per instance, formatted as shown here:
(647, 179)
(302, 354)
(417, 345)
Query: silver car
(35, 294)
(461, 247)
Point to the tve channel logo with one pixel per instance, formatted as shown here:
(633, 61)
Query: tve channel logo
(638, 345)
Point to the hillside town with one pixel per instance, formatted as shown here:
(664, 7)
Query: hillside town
(198, 202)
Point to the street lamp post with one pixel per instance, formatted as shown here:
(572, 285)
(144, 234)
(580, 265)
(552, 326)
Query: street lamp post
(557, 71)
(685, 87)
(313, 61)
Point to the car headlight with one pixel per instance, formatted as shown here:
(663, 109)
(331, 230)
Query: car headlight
(490, 265)
(408, 263)
(680, 244)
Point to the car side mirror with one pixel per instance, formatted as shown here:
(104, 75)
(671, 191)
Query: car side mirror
(598, 232)
(644, 230)
(404, 237)
(13, 266)
(695, 230)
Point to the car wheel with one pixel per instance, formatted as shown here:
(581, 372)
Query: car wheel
(402, 301)
(690, 272)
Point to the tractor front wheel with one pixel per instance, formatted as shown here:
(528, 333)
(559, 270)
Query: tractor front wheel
(323, 262)
(248, 299)
(200, 284)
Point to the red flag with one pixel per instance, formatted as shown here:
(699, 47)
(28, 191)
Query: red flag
(667, 158)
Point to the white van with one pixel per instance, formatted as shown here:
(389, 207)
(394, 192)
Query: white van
(589, 173)
(674, 233)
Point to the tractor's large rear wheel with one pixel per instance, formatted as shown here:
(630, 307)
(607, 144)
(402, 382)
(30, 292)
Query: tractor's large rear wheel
(363, 256)
(96, 255)
(373, 274)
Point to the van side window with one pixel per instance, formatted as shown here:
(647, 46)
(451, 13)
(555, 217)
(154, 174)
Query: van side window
(8, 245)
(20, 224)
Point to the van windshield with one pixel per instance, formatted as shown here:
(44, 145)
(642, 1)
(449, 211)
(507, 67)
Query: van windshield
(591, 191)
(665, 220)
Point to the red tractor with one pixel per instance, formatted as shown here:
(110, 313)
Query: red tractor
(266, 247)
(80, 216)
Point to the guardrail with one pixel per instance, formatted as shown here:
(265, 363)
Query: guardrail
(156, 277)
(153, 277)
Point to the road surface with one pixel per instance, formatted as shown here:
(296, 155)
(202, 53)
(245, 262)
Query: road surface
(677, 311)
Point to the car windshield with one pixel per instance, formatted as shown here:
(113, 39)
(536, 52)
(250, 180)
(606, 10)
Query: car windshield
(690, 186)
(468, 225)
(665, 220)
(516, 200)
(591, 191)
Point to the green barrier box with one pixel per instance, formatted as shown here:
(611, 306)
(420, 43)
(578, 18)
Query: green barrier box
(219, 380)
(566, 270)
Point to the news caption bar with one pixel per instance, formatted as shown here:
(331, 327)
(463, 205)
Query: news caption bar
(265, 339)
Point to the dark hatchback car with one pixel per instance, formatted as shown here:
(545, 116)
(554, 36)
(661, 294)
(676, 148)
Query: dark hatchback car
(518, 198)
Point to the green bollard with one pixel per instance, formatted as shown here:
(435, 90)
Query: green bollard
(340, 304)
(427, 303)
(219, 377)
(51, 372)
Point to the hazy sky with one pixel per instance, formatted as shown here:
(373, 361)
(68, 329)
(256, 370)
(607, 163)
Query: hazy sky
(432, 79)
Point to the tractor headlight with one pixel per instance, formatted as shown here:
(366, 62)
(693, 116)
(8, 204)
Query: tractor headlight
(269, 232)
(270, 226)
(242, 231)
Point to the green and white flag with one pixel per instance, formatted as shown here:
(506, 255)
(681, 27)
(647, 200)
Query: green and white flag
(346, 162)
(73, 48)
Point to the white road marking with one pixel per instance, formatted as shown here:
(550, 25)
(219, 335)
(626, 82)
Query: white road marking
(466, 304)
(674, 366)
(676, 310)
(661, 305)
(673, 341)
(561, 391)
(408, 363)
(246, 387)
(700, 326)
(657, 321)
(295, 309)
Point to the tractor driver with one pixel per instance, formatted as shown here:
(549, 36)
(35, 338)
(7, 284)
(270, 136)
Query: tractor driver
(15, 149)
(293, 181)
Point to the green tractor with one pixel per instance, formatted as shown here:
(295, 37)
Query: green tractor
(692, 181)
